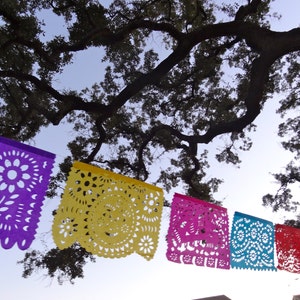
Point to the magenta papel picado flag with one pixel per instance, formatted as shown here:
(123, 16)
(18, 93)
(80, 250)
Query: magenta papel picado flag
(198, 233)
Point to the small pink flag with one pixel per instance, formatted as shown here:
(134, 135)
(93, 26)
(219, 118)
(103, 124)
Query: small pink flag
(198, 233)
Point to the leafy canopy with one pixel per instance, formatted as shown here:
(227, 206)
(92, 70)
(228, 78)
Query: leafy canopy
(178, 74)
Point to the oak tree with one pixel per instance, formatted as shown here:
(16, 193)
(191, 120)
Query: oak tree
(177, 74)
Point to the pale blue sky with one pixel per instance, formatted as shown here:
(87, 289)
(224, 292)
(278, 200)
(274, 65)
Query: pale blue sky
(134, 278)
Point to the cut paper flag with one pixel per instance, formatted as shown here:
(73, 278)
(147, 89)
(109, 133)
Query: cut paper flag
(24, 178)
(198, 233)
(252, 243)
(110, 215)
(287, 241)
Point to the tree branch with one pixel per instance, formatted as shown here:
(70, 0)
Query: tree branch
(71, 102)
(102, 137)
(245, 10)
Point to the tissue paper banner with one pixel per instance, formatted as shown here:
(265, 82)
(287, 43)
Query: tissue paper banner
(110, 215)
(198, 233)
(252, 243)
(287, 241)
(24, 177)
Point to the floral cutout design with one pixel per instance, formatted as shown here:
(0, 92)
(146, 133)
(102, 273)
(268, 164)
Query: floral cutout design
(24, 177)
(110, 215)
(288, 248)
(146, 245)
(252, 243)
(14, 175)
(198, 233)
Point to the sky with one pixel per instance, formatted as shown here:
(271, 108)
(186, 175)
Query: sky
(134, 278)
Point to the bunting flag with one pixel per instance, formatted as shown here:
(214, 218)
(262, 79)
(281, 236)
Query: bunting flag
(287, 241)
(24, 177)
(252, 243)
(109, 214)
(113, 216)
(198, 233)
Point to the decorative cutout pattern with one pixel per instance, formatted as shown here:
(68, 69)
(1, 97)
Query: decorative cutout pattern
(252, 243)
(287, 241)
(110, 215)
(24, 177)
(198, 233)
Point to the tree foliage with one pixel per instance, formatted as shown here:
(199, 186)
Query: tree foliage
(177, 75)
(65, 265)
